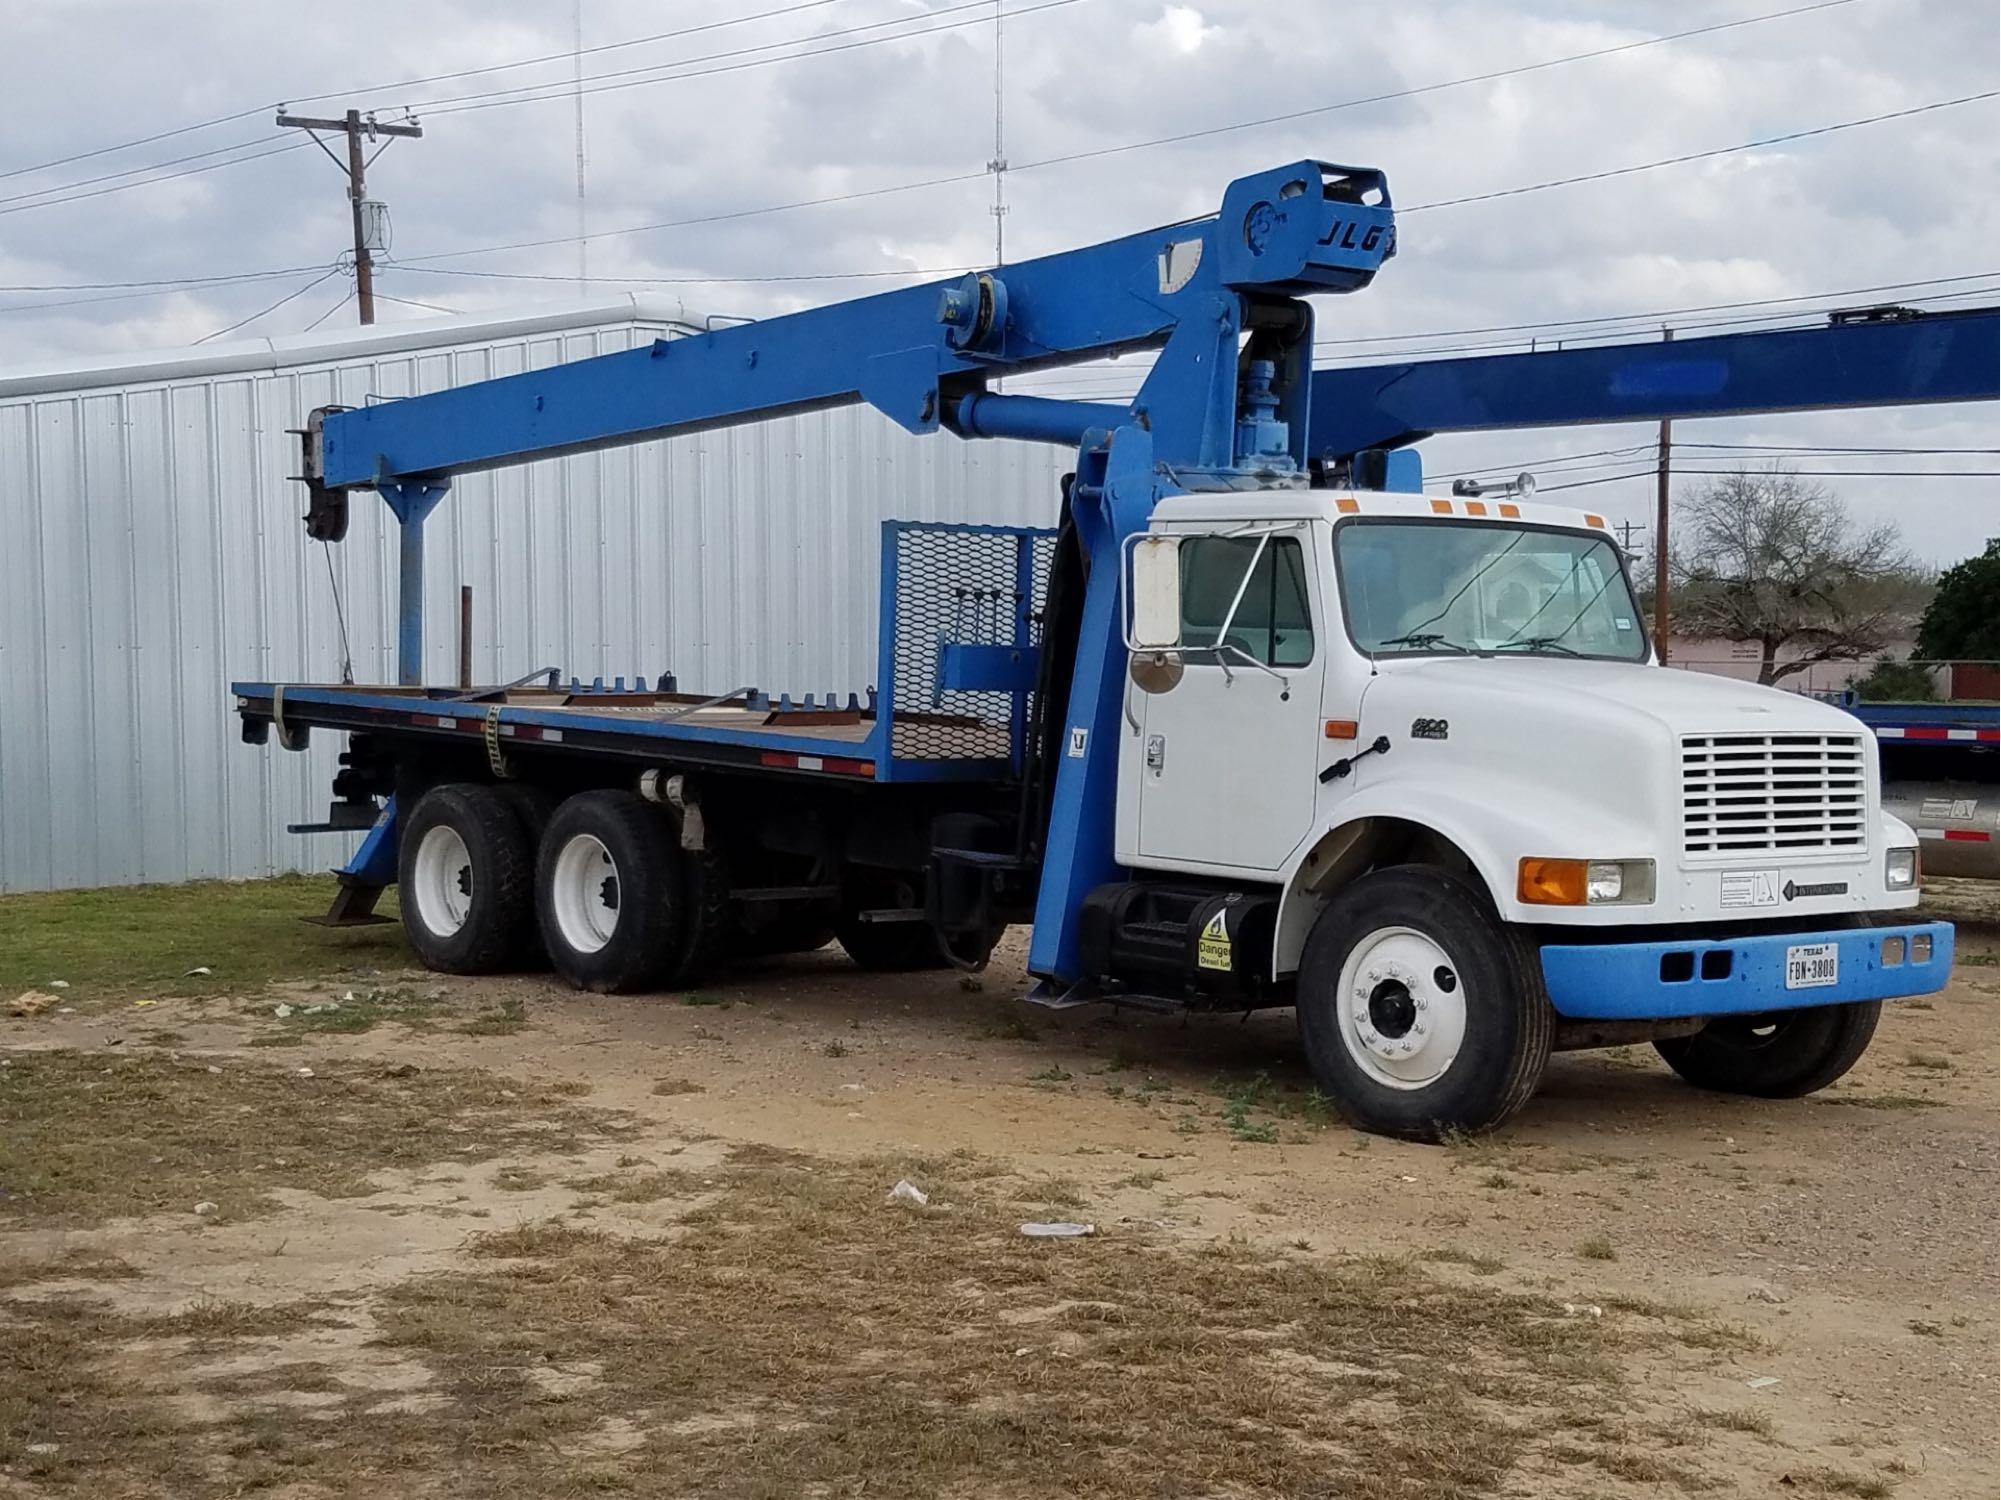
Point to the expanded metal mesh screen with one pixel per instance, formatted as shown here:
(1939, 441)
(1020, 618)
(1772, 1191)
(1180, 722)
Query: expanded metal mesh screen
(959, 585)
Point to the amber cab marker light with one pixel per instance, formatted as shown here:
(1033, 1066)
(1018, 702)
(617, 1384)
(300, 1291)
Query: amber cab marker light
(1347, 506)
(1551, 882)
(1342, 729)
(1441, 507)
(1597, 521)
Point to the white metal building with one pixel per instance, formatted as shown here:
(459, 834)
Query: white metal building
(151, 552)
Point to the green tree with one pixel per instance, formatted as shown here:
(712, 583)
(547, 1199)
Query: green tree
(1893, 681)
(1960, 622)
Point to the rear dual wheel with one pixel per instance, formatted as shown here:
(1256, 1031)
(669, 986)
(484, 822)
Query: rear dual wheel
(465, 869)
(621, 906)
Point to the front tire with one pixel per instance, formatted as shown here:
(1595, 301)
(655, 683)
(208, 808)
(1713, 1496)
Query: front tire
(1421, 1013)
(610, 893)
(465, 872)
(1780, 1055)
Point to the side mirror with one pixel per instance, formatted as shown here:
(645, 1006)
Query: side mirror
(1156, 594)
(1154, 635)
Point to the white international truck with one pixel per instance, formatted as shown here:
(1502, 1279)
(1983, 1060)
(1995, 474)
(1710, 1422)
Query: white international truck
(1244, 729)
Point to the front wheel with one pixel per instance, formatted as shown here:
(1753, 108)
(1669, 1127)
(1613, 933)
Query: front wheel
(1780, 1055)
(1421, 1013)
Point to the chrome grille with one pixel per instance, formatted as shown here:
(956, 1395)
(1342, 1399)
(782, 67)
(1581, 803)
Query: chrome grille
(1787, 793)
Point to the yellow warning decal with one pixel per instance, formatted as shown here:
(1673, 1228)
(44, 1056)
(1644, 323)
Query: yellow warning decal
(1212, 949)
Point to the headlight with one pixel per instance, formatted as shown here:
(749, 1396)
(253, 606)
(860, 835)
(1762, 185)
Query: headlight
(1900, 869)
(1585, 882)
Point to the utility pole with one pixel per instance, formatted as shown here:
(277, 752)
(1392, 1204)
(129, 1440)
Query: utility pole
(1661, 532)
(1626, 530)
(354, 126)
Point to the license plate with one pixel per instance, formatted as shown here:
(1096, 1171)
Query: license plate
(1811, 965)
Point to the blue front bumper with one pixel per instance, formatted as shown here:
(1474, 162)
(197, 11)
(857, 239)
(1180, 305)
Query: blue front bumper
(1653, 981)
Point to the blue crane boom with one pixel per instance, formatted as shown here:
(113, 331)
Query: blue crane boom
(1223, 407)
(1890, 358)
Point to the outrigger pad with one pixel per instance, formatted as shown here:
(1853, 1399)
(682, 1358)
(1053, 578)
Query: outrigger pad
(353, 905)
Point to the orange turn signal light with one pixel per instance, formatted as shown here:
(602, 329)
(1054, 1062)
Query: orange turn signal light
(1342, 729)
(1551, 882)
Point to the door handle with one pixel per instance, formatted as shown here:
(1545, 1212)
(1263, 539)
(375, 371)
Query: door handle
(1156, 752)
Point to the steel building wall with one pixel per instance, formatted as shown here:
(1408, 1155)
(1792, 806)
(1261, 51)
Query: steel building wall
(151, 552)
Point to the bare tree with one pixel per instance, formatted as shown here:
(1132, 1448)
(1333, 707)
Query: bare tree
(1772, 558)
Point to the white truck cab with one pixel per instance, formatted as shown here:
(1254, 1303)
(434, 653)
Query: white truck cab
(1435, 730)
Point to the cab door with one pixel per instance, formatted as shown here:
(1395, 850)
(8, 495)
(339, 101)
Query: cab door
(1231, 753)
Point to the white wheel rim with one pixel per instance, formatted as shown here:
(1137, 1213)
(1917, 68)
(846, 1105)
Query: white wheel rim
(1401, 1007)
(584, 893)
(444, 880)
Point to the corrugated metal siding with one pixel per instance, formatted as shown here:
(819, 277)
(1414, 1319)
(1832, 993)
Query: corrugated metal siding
(151, 553)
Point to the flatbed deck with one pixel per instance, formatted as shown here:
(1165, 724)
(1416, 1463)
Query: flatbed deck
(743, 728)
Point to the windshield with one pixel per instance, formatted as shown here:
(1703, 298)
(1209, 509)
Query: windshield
(1416, 587)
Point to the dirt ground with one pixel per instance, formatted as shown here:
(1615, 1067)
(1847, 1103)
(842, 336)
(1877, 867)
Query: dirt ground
(315, 1252)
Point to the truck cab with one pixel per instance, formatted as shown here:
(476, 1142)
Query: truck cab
(1422, 758)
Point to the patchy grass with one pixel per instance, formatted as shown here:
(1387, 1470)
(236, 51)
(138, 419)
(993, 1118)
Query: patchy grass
(91, 1136)
(1936, 1062)
(1597, 1247)
(1479, 1265)
(639, 1187)
(794, 1337)
(1010, 1023)
(145, 939)
(669, 1087)
(71, 1265)
(355, 1010)
(504, 1019)
(1839, 1482)
(1735, 1419)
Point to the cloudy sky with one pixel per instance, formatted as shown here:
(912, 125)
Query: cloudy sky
(714, 112)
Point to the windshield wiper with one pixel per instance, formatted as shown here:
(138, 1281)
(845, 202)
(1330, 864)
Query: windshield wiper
(1540, 643)
(1424, 640)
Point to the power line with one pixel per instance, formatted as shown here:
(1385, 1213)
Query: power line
(168, 282)
(1674, 161)
(245, 114)
(338, 305)
(529, 93)
(681, 280)
(144, 140)
(137, 171)
(428, 306)
(121, 187)
(455, 104)
(1783, 450)
(567, 55)
(300, 292)
(715, 218)
(1428, 88)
